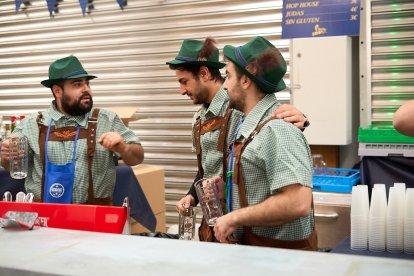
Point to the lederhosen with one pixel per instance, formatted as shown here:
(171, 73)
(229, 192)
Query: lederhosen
(68, 134)
(205, 231)
(248, 238)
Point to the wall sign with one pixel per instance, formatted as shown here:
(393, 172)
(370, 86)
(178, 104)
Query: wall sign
(310, 18)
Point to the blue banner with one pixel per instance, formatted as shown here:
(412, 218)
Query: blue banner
(18, 4)
(309, 18)
(51, 4)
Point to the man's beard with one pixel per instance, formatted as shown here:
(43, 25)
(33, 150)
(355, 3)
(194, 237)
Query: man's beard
(240, 102)
(77, 108)
(202, 96)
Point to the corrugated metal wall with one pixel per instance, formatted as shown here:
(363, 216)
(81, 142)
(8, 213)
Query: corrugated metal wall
(127, 50)
(392, 57)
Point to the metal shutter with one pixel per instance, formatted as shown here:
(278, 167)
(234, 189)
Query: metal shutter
(127, 50)
(388, 60)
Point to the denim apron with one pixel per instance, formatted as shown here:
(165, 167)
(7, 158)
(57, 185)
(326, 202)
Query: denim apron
(59, 178)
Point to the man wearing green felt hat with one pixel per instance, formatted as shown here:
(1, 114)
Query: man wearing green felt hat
(64, 137)
(269, 198)
(197, 68)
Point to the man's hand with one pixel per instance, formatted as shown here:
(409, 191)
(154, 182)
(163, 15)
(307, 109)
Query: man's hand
(184, 203)
(112, 141)
(225, 226)
(5, 148)
(291, 114)
(131, 154)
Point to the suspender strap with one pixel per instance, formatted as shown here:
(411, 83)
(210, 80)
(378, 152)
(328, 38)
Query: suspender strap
(248, 237)
(197, 138)
(212, 124)
(91, 141)
(221, 144)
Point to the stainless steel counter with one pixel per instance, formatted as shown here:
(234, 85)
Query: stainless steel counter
(47, 251)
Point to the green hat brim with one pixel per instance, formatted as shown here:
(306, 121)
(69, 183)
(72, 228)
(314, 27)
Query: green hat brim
(230, 52)
(48, 83)
(209, 64)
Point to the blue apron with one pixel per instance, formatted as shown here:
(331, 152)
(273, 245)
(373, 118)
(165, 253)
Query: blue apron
(59, 178)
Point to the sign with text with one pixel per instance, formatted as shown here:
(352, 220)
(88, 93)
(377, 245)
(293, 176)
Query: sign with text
(310, 18)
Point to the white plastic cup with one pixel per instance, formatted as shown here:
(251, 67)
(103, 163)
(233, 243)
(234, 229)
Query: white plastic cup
(395, 226)
(377, 219)
(409, 221)
(359, 217)
(18, 157)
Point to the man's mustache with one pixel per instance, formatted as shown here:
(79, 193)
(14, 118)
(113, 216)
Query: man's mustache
(84, 95)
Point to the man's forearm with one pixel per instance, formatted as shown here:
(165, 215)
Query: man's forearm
(132, 154)
(290, 204)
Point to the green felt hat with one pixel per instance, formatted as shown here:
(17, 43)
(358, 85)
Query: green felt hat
(270, 81)
(65, 68)
(189, 54)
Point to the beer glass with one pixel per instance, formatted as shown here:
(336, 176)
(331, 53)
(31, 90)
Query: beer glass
(207, 194)
(186, 223)
(18, 154)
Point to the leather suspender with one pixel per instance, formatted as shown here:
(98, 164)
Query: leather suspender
(211, 125)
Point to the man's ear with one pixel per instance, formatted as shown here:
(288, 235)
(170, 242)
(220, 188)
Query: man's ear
(245, 82)
(204, 73)
(56, 90)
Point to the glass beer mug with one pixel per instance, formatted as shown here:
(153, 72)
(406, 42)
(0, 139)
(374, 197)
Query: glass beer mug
(18, 154)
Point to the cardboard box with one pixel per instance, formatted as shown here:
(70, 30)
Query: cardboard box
(126, 114)
(151, 179)
(137, 227)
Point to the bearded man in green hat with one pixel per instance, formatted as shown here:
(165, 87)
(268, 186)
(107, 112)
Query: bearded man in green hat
(64, 136)
(197, 69)
(270, 191)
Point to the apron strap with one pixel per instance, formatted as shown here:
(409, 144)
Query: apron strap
(248, 237)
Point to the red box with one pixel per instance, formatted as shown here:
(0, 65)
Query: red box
(107, 219)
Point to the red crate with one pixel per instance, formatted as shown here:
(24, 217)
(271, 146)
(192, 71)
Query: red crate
(107, 219)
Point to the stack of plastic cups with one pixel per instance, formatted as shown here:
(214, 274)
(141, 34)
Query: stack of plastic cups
(359, 217)
(409, 222)
(377, 219)
(395, 219)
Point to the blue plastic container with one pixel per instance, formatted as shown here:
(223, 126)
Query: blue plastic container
(335, 180)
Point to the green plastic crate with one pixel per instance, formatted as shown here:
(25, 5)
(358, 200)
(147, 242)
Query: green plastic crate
(382, 135)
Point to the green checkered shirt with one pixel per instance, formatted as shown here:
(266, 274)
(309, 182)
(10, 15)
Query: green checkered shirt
(60, 152)
(277, 157)
(211, 158)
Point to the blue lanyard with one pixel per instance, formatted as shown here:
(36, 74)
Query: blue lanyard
(230, 167)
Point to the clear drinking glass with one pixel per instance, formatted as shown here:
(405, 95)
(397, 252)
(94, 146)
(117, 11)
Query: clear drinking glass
(186, 223)
(207, 194)
(18, 154)
(319, 165)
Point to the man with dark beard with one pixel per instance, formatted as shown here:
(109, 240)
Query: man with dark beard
(63, 137)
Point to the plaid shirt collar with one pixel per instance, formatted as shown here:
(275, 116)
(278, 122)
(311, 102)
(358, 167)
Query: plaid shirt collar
(216, 104)
(256, 115)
